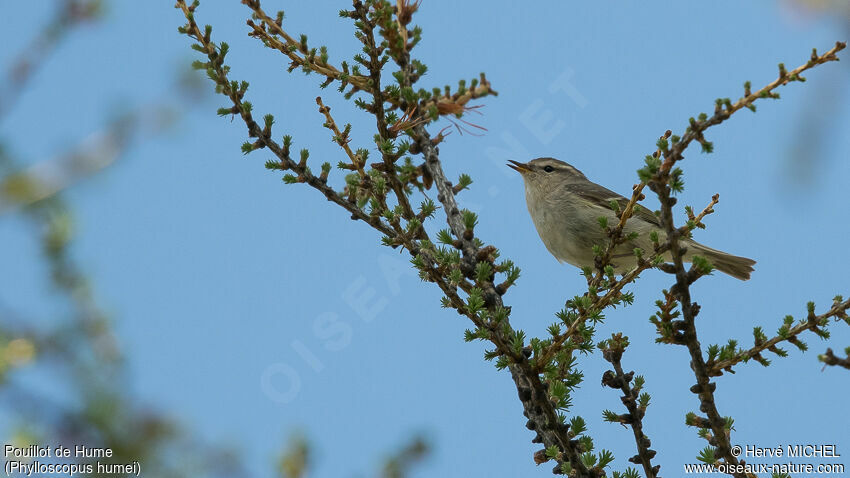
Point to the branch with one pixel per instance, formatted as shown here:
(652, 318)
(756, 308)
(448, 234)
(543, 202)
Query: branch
(786, 334)
(635, 402)
(218, 73)
(603, 280)
(468, 265)
(542, 415)
(696, 221)
(724, 108)
(303, 57)
(829, 358)
(341, 138)
(615, 234)
(69, 15)
(662, 179)
(598, 304)
(399, 464)
(681, 290)
(425, 257)
(52, 176)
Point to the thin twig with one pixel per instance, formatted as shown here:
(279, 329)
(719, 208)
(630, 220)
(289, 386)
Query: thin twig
(812, 323)
(829, 358)
(340, 138)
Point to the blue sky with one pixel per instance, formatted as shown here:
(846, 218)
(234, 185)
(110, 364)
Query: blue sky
(223, 281)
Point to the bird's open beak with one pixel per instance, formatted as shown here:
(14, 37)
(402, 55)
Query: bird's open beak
(518, 167)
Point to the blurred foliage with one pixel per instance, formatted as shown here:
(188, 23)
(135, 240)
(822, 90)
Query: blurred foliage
(63, 378)
(816, 122)
(64, 381)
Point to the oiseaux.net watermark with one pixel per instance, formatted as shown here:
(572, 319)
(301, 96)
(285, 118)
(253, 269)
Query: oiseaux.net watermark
(798, 459)
(281, 382)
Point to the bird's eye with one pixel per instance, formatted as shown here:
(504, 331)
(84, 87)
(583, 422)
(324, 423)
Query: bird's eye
(548, 169)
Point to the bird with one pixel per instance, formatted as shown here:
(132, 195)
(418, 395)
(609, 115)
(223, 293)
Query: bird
(565, 207)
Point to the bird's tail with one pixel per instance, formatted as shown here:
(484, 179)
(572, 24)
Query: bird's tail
(736, 266)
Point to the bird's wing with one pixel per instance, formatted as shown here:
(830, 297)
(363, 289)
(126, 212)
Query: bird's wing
(603, 196)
